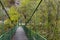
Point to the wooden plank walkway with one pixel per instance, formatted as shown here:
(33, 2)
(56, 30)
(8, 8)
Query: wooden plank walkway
(20, 34)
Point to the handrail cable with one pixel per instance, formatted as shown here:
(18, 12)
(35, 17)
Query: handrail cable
(33, 13)
(6, 11)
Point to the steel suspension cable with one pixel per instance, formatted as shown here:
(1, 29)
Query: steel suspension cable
(5, 11)
(33, 13)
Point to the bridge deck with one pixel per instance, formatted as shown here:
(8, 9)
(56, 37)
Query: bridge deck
(20, 34)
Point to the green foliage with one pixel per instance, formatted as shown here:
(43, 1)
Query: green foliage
(14, 16)
(46, 20)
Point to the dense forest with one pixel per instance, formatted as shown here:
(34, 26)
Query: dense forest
(45, 21)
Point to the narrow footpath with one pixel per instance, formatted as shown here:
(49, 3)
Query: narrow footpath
(20, 34)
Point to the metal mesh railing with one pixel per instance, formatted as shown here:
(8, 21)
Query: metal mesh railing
(32, 35)
(8, 35)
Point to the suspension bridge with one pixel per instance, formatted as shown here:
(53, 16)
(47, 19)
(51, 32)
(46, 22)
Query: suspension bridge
(21, 32)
